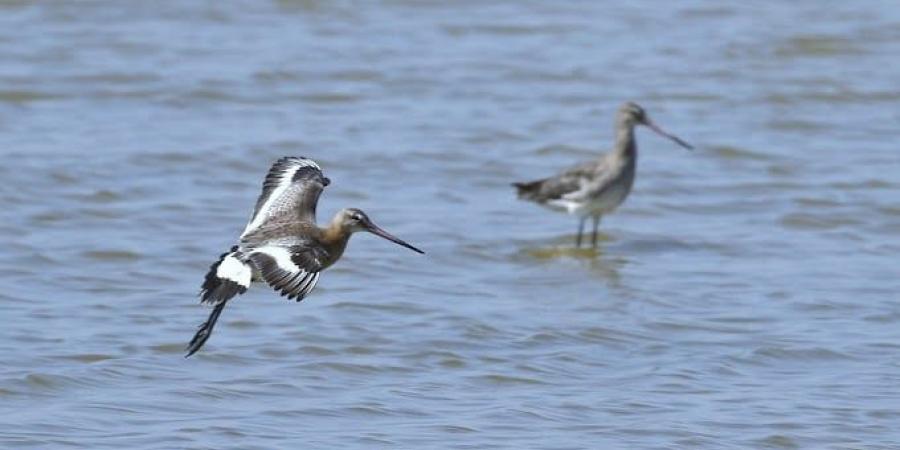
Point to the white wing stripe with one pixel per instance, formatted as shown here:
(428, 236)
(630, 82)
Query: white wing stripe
(286, 276)
(284, 181)
(282, 259)
(281, 256)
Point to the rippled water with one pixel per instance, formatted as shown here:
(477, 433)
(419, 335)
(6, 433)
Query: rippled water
(745, 296)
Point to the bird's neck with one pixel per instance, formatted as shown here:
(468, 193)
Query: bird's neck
(626, 144)
(334, 238)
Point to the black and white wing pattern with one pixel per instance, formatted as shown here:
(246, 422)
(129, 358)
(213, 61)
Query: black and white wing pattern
(291, 270)
(290, 193)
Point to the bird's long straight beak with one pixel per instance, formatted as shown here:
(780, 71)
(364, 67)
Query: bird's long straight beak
(663, 133)
(376, 230)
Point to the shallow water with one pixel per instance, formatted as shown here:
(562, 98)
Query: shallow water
(745, 296)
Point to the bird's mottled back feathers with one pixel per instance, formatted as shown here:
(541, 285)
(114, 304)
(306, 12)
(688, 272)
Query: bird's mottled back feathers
(290, 193)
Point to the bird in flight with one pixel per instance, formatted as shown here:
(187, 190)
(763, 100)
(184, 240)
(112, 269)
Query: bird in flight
(282, 245)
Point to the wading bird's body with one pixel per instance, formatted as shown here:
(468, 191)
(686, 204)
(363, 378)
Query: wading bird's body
(598, 187)
(282, 245)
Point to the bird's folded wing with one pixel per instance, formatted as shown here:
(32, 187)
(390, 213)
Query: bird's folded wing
(292, 271)
(586, 179)
(565, 183)
(291, 189)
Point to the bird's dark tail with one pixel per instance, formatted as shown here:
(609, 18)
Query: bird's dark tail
(205, 330)
(527, 190)
(229, 276)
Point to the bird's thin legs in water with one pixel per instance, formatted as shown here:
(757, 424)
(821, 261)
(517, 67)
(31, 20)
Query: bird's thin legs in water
(594, 236)
(581, 222)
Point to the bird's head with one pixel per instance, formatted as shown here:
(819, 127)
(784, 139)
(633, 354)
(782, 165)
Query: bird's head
(353, 220)
(631, 114)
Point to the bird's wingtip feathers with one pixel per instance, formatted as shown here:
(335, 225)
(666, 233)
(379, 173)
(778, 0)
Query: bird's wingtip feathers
(297, 160)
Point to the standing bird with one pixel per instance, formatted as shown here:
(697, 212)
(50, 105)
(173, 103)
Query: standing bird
(282, 245)
(594, 188)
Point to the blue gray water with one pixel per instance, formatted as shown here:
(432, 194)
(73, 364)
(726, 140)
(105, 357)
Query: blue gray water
(745, 296)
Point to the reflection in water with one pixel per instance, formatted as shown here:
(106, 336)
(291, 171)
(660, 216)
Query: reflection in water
(608, 266)
(599, 261)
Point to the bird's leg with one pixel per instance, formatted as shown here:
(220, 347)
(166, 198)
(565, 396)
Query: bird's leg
(594, 236)
(581, 222)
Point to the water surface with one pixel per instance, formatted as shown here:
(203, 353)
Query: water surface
(745, 296)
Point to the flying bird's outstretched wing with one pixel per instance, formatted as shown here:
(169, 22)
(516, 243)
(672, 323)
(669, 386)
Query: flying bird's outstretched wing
(290, 193)
(291, 270)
